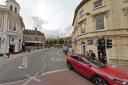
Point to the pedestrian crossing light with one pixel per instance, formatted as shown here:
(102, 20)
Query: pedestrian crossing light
(109, 43)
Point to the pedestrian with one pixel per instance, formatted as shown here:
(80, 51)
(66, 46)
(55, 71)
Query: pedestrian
(65, 50)
(102, 58)
(91, 54)
(8, 54)
(70, 50)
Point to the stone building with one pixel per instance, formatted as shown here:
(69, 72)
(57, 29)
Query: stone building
(33, 39)
(102, 26)
(11, 28)
(67, 41)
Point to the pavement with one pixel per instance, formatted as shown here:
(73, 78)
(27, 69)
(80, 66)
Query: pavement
(5, 59)
(62, 77)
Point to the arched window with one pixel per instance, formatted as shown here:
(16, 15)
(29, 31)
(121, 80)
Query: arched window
(11, 7)
(15, 9)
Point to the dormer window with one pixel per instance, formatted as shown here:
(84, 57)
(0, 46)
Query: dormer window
(98, 3)
(15, 9)
(11, 8)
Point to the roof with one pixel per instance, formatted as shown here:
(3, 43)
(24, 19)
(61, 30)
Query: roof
(33, 42)
(33, 32)
(77, 9)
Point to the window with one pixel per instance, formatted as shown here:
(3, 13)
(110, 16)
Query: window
(10, 7)
(99, 22)
(15, 9)
(90, 41)
(82, 28)
(125, 1)
(12, 39)
(97, 63)
(0, 23)
(10, 25)
(82, 61)
(14, 28)
(0, 42)
(75, 57)
(81, 13)
(97, 3)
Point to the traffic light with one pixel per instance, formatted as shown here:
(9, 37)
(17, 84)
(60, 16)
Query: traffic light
(109, 43)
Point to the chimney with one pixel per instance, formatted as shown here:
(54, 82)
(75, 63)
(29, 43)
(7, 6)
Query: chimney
(35, 29)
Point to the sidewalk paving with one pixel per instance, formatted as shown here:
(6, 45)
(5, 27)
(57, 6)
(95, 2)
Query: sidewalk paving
(64, 77)
(5, 59)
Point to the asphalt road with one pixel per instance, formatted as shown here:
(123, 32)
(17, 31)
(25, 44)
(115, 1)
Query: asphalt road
(37, 63)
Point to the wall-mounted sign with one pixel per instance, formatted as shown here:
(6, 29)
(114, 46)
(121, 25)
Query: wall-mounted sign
(90, 41)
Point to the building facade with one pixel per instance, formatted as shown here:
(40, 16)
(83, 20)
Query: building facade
(67, 41)
(33, 39)
(102, 26)
(11, 28)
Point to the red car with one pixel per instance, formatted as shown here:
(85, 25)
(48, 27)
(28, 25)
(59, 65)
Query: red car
(93, 69)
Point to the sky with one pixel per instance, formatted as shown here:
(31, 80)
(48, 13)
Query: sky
(53, 17)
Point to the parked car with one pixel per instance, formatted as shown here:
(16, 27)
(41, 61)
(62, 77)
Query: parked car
(96, 71)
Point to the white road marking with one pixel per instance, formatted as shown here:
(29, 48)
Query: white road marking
(31, 78)
(57, 59)
(24, 63)
(53, 71)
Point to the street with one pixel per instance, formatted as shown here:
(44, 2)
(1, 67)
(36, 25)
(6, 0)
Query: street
(37, 63)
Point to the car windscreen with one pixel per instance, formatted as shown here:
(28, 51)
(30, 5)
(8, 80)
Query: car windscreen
(97, 63)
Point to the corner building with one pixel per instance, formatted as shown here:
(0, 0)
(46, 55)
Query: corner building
(11, 28)
(94, 19)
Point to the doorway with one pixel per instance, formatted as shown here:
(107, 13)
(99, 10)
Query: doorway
(12, 49)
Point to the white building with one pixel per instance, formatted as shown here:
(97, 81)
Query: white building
(11, 28)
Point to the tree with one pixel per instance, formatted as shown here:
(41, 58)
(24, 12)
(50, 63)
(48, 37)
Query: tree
(61, 41)
(55, 41)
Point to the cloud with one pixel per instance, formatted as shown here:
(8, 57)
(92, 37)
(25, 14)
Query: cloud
(38, 22)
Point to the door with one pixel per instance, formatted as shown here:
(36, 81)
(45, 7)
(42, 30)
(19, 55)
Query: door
(75, 62)
(85, 68)
(12, 49)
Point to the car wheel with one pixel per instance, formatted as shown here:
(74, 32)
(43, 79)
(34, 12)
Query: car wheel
(69, 65)
(99, 81)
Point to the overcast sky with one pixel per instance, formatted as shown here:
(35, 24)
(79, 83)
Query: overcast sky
(53, 17)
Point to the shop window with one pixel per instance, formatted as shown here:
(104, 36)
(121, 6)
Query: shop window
(99, 22)
(98, 3)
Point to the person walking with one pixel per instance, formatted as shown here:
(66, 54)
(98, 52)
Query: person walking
(65, 50)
